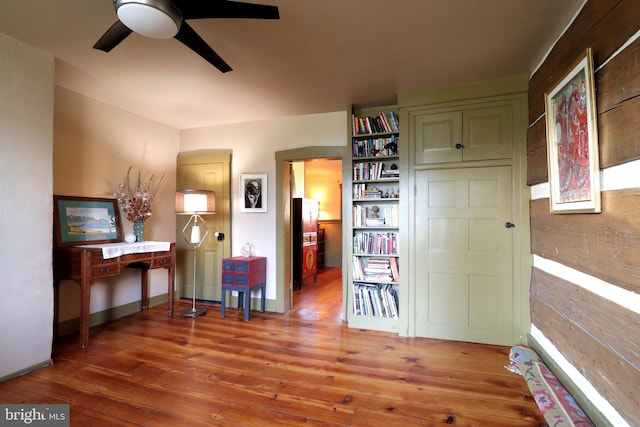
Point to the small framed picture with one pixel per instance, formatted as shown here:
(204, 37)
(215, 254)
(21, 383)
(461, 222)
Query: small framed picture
(253, 192)
(572, 141)
(79, 220)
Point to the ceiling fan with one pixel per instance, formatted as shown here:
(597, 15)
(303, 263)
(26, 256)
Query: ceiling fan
(163, 19)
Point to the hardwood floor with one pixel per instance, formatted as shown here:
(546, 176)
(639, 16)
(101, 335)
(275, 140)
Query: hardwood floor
(304, 367)
(321, 300)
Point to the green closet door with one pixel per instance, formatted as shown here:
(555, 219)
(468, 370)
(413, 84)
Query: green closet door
(464, 254)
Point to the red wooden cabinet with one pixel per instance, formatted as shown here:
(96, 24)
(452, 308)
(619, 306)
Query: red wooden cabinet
(305, 239)
(244, 271)
(243, 274)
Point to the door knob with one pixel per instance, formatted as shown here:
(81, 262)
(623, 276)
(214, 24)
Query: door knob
(459, 146)
(509, 225)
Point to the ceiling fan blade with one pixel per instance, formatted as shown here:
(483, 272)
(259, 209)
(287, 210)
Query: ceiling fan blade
(198, 9)
(193, 41)
(114, 35)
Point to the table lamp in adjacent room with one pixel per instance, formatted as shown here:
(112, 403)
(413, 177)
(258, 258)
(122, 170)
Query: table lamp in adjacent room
(195, 203)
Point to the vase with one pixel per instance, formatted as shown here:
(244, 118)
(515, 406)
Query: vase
(138, 230)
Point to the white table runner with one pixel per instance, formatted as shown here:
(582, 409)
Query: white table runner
(113, 250)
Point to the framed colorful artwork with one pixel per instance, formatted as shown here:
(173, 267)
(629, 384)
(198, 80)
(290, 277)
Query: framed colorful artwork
(572, 141)
(82, 220)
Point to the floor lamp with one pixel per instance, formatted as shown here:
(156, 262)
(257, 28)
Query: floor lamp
(195, 203)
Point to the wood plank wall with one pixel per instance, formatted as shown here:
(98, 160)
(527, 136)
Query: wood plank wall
(597, 336)
(603, 25)
(596, 342)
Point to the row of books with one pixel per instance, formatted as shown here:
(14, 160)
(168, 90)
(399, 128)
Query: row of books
(373, 147)
(382, 123)
(368, 171)
(374, 300)
(376, 269)
(365, 216)
(390, 173)
(375, 244)
(373, 221)
(361, 191)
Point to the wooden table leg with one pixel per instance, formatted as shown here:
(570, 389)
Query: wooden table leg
(262, 296)
(85, 303)
(247, 304)
(144, 283)
(223, 302)
(85, 298)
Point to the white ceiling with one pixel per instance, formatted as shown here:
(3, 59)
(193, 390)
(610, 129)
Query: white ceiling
(321, 56)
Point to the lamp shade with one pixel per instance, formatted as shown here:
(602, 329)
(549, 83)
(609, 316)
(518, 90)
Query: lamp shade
(192, 202)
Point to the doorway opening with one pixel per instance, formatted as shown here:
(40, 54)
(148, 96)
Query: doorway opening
(316, 230)
(311, 299)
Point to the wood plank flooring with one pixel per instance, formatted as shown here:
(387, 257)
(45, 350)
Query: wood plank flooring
(302, 368)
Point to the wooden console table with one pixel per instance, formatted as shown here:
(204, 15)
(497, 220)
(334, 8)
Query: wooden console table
(86, 265)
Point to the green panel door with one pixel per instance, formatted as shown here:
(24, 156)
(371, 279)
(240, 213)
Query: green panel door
(463, 255)
(488, 133)
(204, 172)
(437, 136)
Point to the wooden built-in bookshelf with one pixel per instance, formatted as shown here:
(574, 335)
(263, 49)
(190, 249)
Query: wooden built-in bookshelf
(373, 276)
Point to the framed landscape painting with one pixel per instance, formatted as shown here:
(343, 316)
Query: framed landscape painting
(79, 220)
(572, 141)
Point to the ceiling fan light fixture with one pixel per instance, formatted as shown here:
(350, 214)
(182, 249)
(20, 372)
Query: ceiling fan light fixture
(157, 19)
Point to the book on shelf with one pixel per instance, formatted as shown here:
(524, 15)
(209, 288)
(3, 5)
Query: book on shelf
(368, 171)
(390, 173)
(372, 193)
(388, 216)
(357, 215)
(374, 147)
(373, 270)
(395, 271)
(365, 125)
(358, 270)
(382, 123)
(375, 243)
(362, 192)
(395, 121)
(386, 125)
(374, 222)
(392, 215)
(375, 300)
(378, 263)
(378, 270)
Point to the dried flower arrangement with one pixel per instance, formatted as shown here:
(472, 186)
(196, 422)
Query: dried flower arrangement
(136, 200)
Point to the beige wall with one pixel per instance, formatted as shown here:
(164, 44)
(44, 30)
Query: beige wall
(26, 135)
(297, 179)
(94, 145)
(253, 146)
(323, 182)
